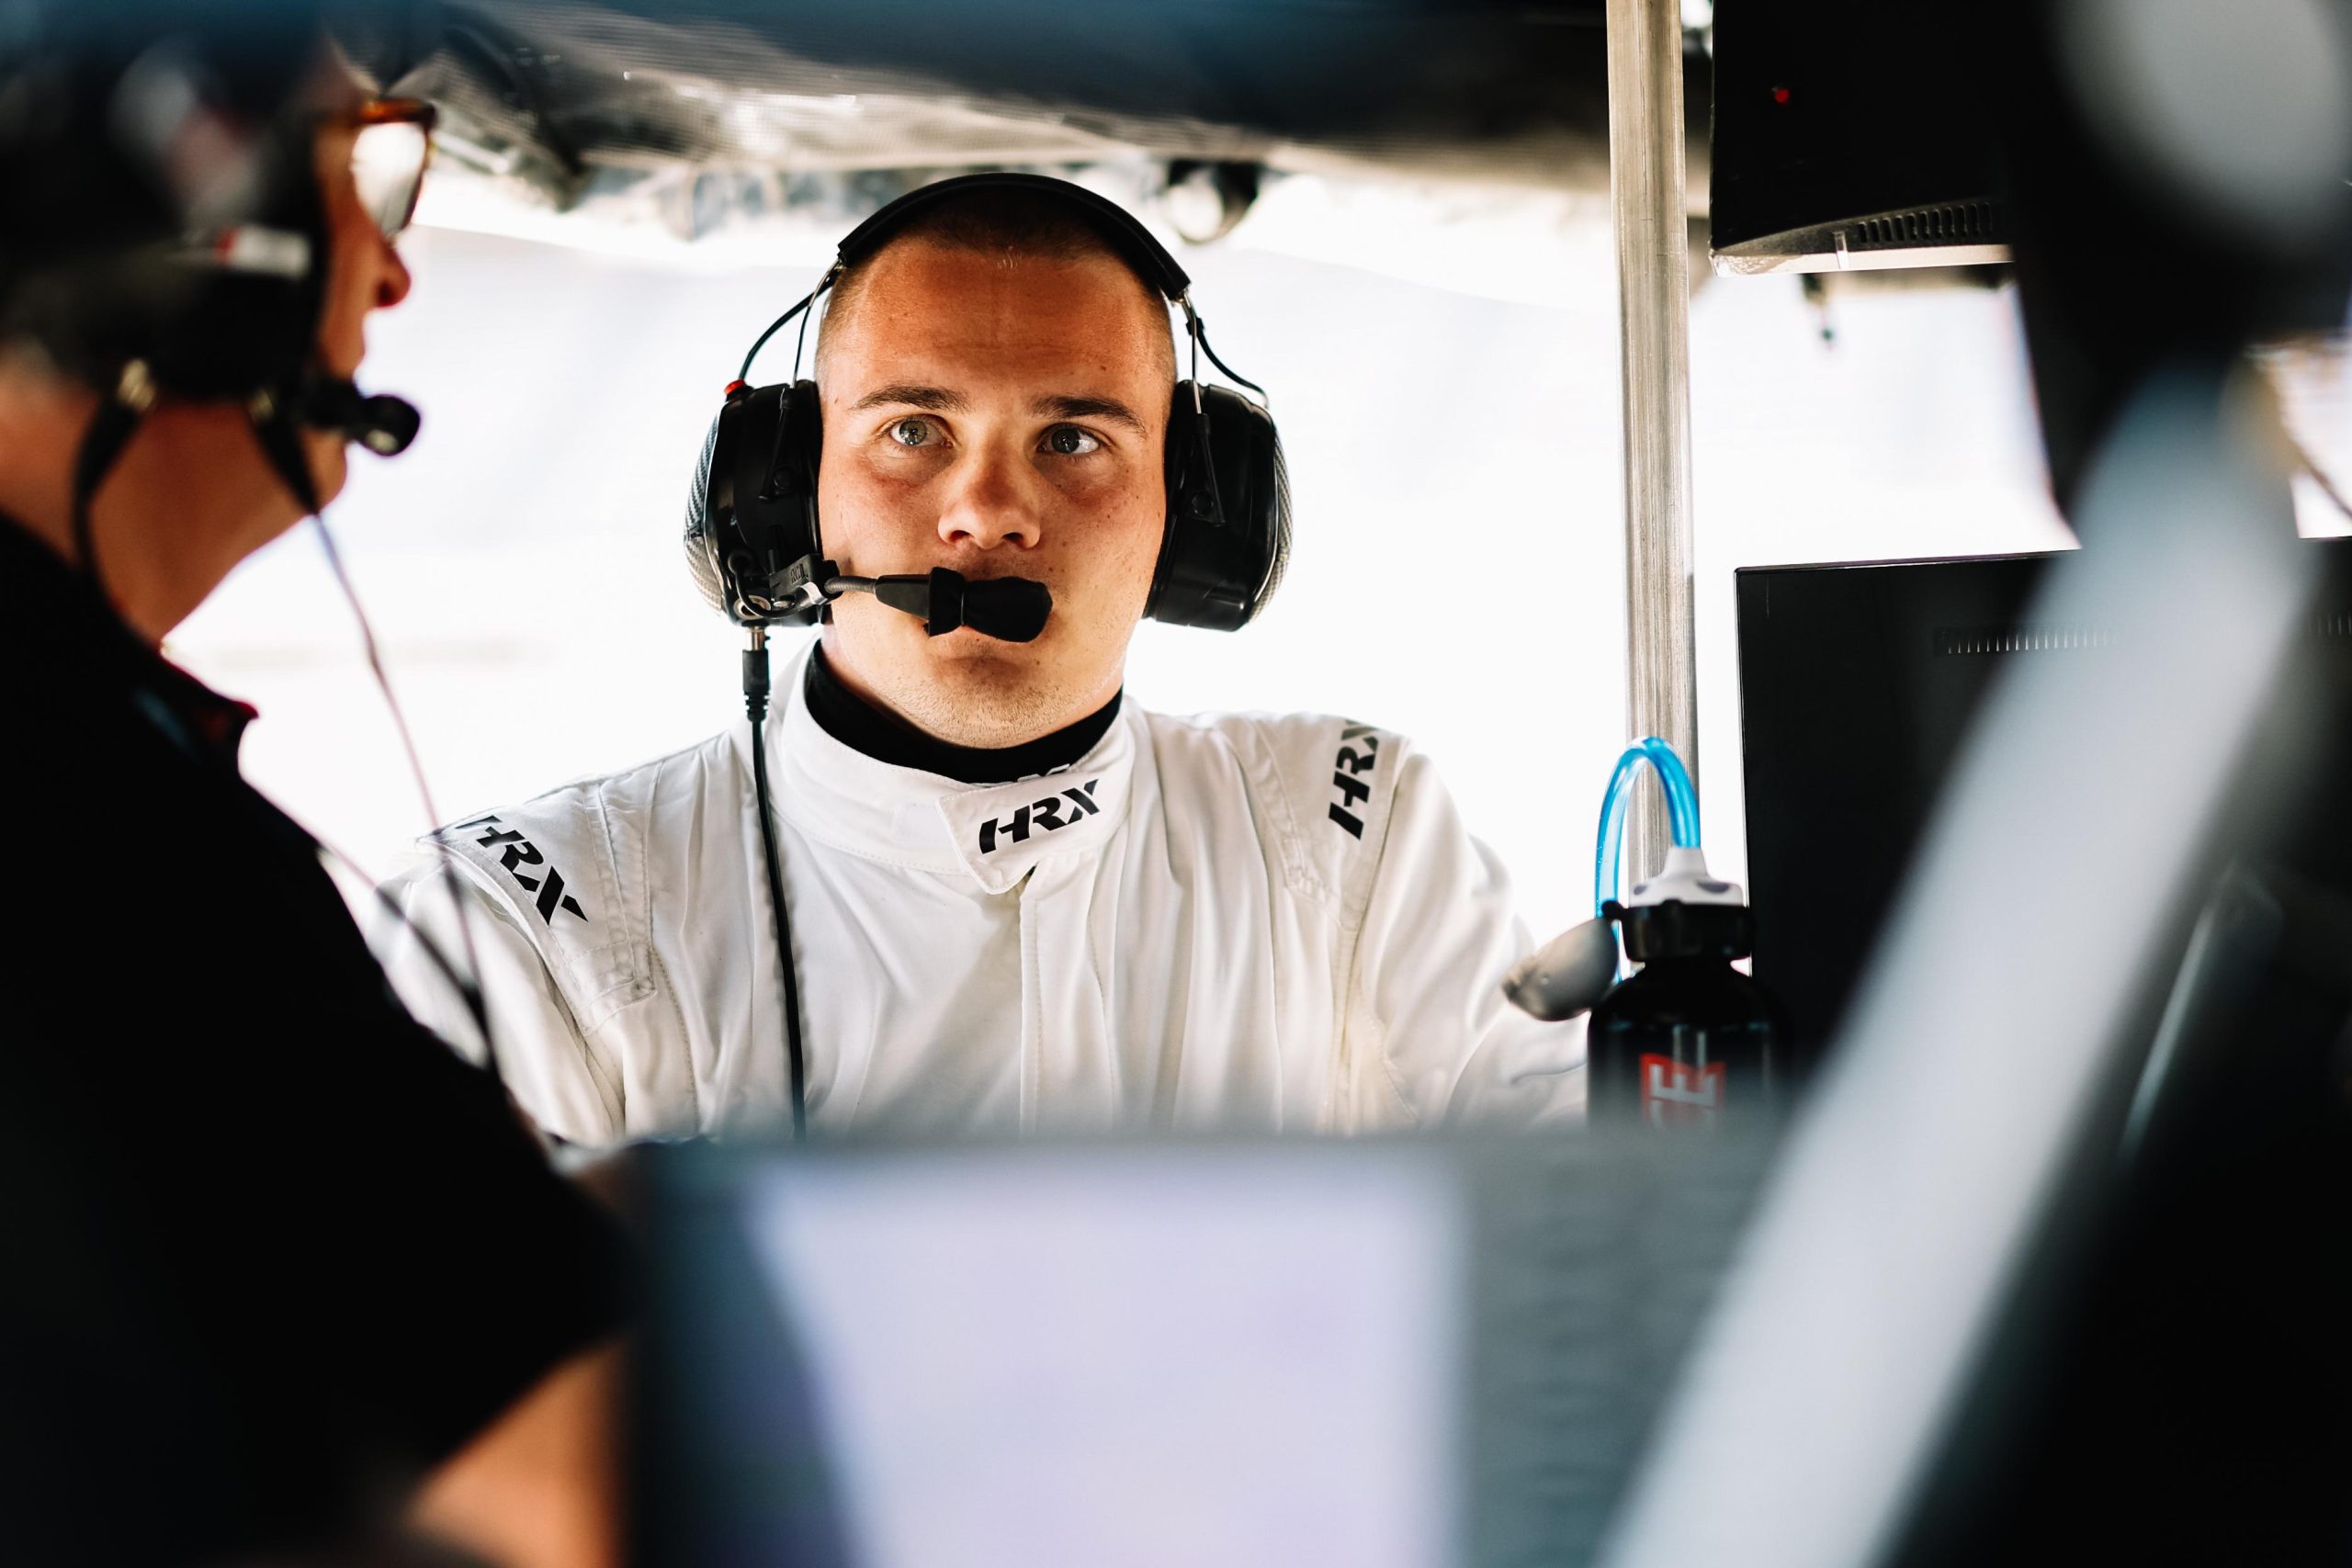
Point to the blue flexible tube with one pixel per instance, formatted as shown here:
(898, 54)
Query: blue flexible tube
(1681, 810)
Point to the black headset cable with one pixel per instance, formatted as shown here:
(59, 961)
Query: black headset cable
(1197, 329)
(756, 707)
(778, 325)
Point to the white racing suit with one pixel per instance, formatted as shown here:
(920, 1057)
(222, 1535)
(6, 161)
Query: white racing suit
(1236, 922)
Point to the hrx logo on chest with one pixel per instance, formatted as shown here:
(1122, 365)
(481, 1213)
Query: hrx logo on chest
(1046, 816)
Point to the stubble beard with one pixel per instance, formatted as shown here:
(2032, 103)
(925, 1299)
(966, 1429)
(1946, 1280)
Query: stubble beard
(991, 704)
(984, 698)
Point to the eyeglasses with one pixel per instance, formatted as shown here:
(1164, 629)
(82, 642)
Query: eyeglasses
(388, 158)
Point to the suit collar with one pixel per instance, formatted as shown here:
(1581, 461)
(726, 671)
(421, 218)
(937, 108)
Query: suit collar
(995, 834)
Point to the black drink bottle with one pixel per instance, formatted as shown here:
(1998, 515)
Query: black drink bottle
(1688, 1040)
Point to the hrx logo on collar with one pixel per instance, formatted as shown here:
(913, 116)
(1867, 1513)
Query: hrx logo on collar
(519, 852)
(1045, 815)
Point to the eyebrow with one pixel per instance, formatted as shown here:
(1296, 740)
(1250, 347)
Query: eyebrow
(1059, 407)
(1055, 405)
(931, 400)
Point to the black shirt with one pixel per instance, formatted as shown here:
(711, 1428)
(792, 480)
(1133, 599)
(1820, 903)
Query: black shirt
(269, 1250)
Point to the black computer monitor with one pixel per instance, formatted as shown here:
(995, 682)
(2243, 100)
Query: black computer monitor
(1857, 683)
(1852, 135)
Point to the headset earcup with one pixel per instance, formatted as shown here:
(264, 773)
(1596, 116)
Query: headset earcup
(751, 509)
(244, 331)
(704, 554)
(791, 493)
(104, 256)
(800, 446)
(1228, 538)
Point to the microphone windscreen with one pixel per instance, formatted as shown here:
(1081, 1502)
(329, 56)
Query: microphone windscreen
(387, 425)
(1010, 609)
(382, 424)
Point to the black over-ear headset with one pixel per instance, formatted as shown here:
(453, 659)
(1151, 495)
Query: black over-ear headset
(755, 545)
(145, 281)
(757, 548)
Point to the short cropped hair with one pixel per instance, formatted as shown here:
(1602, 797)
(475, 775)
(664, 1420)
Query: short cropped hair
(1008, 223)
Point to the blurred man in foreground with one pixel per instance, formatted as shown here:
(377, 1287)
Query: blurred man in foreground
(276, 1259)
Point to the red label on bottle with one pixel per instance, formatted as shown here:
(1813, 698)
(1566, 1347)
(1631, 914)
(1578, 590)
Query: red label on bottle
(1676, 1094)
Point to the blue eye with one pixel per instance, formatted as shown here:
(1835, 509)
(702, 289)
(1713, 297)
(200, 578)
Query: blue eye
(1069, 441)
(912, 432)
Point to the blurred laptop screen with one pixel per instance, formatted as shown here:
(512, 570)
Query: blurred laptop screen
(1087, 1357)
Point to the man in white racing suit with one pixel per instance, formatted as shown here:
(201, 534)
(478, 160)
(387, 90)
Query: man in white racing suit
(1017, 902)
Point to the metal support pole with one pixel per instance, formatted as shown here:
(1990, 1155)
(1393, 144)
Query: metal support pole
(1645, 181)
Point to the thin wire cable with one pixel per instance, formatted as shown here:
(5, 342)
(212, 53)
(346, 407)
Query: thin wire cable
(800, 343)
(1197, 330)
(778, 325)
(2312, 472)
(795, 1054)
(475, 1001)
(755, 708)
(1205, 450)
(1201, 341)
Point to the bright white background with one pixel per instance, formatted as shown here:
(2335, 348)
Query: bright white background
(1445, 371)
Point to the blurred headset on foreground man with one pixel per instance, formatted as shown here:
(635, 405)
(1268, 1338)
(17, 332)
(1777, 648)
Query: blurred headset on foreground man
(280, 1268)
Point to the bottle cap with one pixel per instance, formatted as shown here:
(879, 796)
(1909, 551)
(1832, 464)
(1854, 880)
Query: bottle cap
(1684, 876)
(1679, 929)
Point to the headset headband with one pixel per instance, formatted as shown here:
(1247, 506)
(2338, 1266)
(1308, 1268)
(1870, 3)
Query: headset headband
(1116, 223)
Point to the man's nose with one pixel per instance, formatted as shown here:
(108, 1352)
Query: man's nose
(393, 280)
(992, 502)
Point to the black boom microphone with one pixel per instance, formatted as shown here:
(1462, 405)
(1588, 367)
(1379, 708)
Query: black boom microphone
(382, 424)
(1010, 609)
